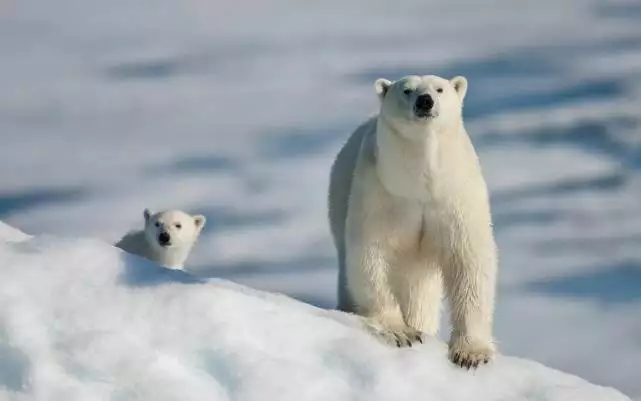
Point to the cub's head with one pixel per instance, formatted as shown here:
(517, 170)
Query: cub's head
(172, 228)
(414, 103)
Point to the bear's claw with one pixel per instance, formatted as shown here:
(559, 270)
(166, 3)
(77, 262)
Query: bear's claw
(404, 337)
(468, 353)
(469, 361)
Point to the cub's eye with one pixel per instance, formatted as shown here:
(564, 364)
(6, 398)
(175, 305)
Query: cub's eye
(178, 226)
(408, 91)
(440, 90)
(157, 224)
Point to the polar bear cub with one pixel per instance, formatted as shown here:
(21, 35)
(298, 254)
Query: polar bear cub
(410, 216)
(167, 238)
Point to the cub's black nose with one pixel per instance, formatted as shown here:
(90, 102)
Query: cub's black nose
(424, 103)
(163, 238)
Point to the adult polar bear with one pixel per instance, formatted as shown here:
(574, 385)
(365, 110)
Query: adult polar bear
(409, 212)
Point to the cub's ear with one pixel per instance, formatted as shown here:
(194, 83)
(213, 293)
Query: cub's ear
(199, 221)
(460, 86)
(147, 214)
(382, 85)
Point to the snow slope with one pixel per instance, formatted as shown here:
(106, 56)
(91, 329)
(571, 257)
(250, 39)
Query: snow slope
(235, 108)
(81, 320)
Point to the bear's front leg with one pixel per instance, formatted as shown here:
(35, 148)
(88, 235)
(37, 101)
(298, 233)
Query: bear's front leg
(418, 288)
(470, 281)
(373, 298)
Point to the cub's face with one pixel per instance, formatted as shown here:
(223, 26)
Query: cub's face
(172, 229)
(416, 103)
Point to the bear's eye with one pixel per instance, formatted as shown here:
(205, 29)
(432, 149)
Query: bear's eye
(408, 91)
(178, 226)
(440, 90)
(157, 224)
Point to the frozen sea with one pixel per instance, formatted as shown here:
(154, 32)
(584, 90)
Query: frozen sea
(234, 109)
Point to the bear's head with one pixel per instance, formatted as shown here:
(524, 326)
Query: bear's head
(415, 103)
(172, 229)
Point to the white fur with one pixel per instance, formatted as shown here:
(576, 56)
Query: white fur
(182, 228)
(410, 215)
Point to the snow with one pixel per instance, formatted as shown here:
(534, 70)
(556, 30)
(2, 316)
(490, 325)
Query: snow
(235, 108)
(82, 320)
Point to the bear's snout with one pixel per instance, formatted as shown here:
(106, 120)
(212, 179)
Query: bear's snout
(424, 104)
(164, 239)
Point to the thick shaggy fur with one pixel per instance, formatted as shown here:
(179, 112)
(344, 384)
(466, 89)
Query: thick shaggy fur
(180, 229)
(410, 217)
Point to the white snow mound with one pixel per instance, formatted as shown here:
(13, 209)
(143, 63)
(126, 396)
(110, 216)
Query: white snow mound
(81, 320)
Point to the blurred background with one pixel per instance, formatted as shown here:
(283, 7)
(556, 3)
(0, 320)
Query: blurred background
(235, 109)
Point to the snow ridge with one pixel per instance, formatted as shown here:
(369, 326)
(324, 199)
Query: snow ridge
(82, 320)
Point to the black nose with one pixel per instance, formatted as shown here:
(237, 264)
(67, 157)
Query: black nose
(424, 102)
(163, 238)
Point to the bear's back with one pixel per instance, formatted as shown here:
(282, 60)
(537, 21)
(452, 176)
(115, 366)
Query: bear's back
(136, 243)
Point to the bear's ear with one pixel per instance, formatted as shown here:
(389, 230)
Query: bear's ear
(382, 85)
(199, 221)
(460, 86)
(147, 213)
